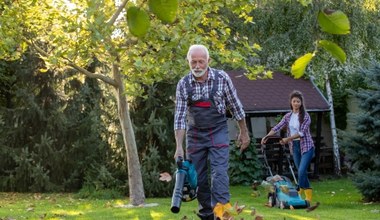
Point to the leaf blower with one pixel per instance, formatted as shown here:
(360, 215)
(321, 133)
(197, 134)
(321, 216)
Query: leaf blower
(186, 184)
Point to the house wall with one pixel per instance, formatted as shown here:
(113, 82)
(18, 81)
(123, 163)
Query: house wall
(260, 127)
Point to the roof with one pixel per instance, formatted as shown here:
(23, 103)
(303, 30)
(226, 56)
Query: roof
(272, 95)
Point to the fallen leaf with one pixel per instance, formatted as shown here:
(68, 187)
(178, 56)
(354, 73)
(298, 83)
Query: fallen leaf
(227, 215)
(108, 204)
(238, 208)
(255, 194)
(312, 208)
(253, 212)
(255, 184)
(165, 177)
(259, 217)
(37, 196)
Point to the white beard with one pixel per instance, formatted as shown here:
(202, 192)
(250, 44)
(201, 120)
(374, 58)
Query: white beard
(197, 73)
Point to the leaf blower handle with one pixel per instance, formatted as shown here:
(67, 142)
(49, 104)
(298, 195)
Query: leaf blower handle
(179, 162)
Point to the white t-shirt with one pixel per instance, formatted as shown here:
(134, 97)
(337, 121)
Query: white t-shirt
(294, 124)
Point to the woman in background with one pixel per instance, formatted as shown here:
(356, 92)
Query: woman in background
(299, 139)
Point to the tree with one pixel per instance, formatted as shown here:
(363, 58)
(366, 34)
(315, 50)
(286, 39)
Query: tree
(362, 146)
(132, 49)
(333, 22)
(46, 134)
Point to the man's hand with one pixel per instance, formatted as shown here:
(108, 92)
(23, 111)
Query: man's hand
(243, 138)
(243, 141)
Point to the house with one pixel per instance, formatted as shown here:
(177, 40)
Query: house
(265, 101)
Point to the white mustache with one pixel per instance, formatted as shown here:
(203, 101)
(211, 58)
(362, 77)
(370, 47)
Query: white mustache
(198, 72)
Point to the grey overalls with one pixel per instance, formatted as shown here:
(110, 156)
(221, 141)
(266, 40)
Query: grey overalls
(207, 138)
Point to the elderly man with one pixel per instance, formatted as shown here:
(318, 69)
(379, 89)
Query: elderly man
(203, 97)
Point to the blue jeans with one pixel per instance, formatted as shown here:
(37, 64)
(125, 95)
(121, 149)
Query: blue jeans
(302, 162)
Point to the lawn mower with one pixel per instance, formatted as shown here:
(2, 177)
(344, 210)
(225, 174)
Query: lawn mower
(283, 193)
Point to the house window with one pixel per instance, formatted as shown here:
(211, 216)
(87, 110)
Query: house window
(259, 128)
(233, 129)
(262, 125)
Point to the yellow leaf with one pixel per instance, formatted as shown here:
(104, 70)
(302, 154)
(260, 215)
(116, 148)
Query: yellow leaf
(299, 66)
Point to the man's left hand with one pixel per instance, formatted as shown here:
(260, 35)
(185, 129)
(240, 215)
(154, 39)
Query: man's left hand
(243, 141)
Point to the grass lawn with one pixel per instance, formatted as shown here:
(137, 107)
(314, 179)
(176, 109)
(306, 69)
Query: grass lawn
(338, 197)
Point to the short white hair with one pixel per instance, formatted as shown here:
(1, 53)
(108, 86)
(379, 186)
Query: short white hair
(197, 46)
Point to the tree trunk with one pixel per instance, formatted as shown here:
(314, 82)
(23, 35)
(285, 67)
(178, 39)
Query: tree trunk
(333, 128)
(136, 187)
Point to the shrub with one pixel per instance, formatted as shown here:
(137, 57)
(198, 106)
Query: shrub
(246, 167)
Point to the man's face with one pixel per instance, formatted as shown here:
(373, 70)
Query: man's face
(198, 62)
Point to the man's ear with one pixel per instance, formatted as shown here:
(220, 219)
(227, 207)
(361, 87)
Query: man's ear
(209, 60)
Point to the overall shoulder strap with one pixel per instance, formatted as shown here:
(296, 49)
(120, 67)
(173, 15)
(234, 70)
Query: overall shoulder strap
(189, 89)
(215, 84)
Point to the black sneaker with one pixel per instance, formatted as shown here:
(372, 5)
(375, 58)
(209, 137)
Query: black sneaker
(209, 217)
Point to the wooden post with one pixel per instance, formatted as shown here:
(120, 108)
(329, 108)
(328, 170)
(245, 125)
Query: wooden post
(318, 144)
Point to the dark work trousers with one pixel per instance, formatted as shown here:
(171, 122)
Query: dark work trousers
(207, 144)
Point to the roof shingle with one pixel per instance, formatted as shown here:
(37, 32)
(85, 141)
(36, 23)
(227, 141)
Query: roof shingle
(272, 95)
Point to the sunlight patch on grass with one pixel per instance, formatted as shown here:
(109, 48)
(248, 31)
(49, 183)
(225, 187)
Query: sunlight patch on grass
(132, 212)
(119, 202)
(297, 217)
(156, 215)
(87, 206)
(67, 213)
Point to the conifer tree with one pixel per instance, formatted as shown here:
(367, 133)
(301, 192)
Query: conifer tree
(362, 146)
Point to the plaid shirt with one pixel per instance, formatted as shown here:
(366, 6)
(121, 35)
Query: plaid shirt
(225, 96)
(306, 141)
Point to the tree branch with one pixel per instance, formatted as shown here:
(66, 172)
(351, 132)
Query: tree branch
(102, 77)
(117, 13)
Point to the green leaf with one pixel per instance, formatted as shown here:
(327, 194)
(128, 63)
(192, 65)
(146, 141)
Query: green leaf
(335, 51)
(165, 10)
(299, 66)
(138, 21)
(334, 22)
